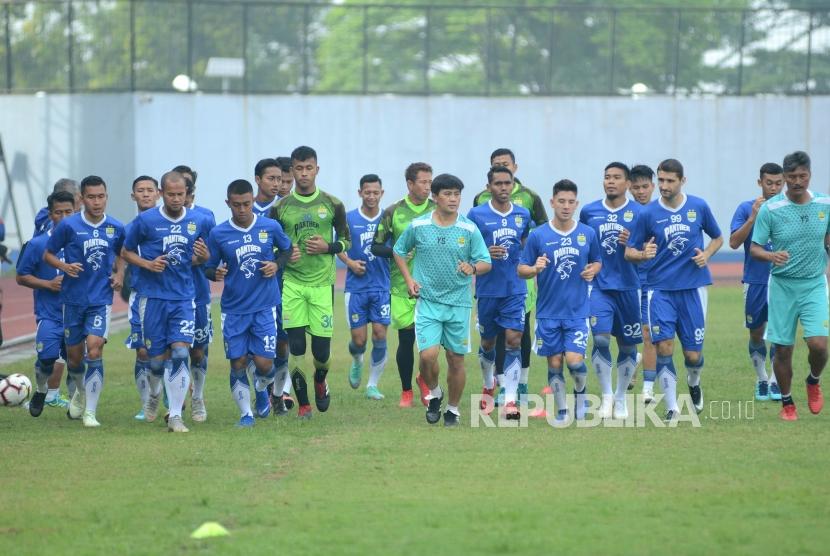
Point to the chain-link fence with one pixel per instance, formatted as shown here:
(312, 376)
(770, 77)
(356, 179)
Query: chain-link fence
(268, 47)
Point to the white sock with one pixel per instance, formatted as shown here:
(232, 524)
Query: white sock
(435, 392)
(261, 382)
(52, 394)
(760, 364)
(177, 382)
(375, 371)
(199, 378)
(602, 366)
(155, 383)
(625, 370)
(523, 376)
(241, 392)
(453, 409)
(286, 385)
(512, 372)
(93, 383)
(488, 367)
(358, 358)
(668, 383)
(557, 383)
(41, 378)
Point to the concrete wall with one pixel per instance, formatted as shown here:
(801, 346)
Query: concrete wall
(721, 141)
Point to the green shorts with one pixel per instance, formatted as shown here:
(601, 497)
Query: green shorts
(308, 307)
(530, 300)
(791, 300)
(403, 311)
(448, 325)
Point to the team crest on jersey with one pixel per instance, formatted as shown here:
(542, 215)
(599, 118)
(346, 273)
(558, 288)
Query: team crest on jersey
(461, 241)
(628, 215)
(263, 236)
(322, 212)
(655, 330)
(821, 215)
(110, 231)
(593, 321)
(519, 202)
(691, 214)
(191, 228)
(580, 239)
(518, 220)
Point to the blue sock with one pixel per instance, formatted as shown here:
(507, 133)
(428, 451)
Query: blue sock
(649, 376)
(357, 352)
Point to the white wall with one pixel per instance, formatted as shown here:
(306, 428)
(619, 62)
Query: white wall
(721, 141)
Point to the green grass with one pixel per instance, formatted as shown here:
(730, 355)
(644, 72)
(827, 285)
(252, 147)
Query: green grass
(367, 477)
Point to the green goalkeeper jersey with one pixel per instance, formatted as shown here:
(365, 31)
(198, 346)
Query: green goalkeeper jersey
(393, 222)
(798, 229)
(318, 214)
(523, 197)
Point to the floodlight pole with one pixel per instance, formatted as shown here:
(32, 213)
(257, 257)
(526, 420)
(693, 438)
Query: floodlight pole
(10, 192)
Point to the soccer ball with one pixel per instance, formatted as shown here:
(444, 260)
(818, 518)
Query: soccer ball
(15, 389)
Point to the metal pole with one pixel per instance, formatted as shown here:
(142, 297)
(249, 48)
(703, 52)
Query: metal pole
(8, 36)
(488, 53)
(677, 52)
(809, 54)
(613, 51)
(741, 53)
(306, 24)
(69, 47)
(245, 48)
(427, 54)
(5, 163)
(190, 41)
(132, 45)
(551, 45)
(365, 49)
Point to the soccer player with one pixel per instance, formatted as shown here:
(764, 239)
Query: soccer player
(316, 225)
(755, 278)
(287, 180)
(43, 221)
(203, 330)
(564, 257)
(91, 241)
(145, 195)
(242, 254)
(671, 229)
(797, 223)
(393, 222)
(164, 243)
(367, 287)
(268, 177)
(527, 198)
(33, 272)
(615, 292)
(500, 293)
(449, 250)
(642, 188)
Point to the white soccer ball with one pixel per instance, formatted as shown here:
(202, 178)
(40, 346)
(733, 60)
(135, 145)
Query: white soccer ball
(15, 389)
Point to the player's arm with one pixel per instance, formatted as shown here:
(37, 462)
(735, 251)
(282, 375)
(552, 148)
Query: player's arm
(26, 262)
(341, 228)
(479, 256)
(742, 224)
(356, 266)
(531, 262)
(402, 249)
(56, 242)
(380, 243)
(592, 268)
(710, 226)
(215, 270)
(637, 237)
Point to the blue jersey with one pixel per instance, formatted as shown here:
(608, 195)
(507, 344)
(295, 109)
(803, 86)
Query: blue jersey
(362, 231)
(264, 210)
(95, 246)
(755, 271)
(30, 263)
(563, 293)
(42, 222)
(508, 230)
(154, 234)
(200, 281)
(677, 233)
(617, 274)
(246, 290)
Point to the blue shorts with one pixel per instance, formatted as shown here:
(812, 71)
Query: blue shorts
(165, 322)
(755, 305)
(365, 307)
(251, 334)
(135, 340)
(203, 332)
(500, 313)
(682, 312)
(644, 306)
(555, 336)
(282, 335)
(617, 313)
(80, 321)
(49, 340)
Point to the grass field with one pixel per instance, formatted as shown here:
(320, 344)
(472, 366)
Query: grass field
(368, 477)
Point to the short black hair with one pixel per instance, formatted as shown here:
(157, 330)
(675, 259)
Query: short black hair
(240, 187)
(91, 181)
(263, 165)
(301, 154)
(564, 185)
(284, 162)
(796, 159)
(639, 171)
(770, 168)
(671, 165)
(501, 152)
(370, 178)
(497, 170)
(174, 175)
(411, 172)
(60, 197)
(184, 169)
(145, 178)
(446, 181)
(621, 166)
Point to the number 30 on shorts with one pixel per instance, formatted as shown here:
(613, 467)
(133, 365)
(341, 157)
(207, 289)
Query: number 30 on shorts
(326, 321)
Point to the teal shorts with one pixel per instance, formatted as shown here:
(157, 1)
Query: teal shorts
(447, 325)
(791, 300)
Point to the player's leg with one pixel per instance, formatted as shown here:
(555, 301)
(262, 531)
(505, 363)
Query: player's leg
(179, 335)
(602, 322)
(456, 379)
(428, 331)
(526, 345)
(498, 362)
(48, 342)
(203, 335)
(576, 343)
(295, 320)
(357, 313)
(261, 335)
(628, 332)
(235, 334)
(550, 343)
(649, 351)
(691, 328)
(455, 337)
(489, 330)
(403, 319)
(814, 315)
(662, 315)
(321, 324)
(757, 347)
(96, 328)
(510, 317)
(135, 341)
(281, 398)
(379, 315)
(73, 325)
(782, 324)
